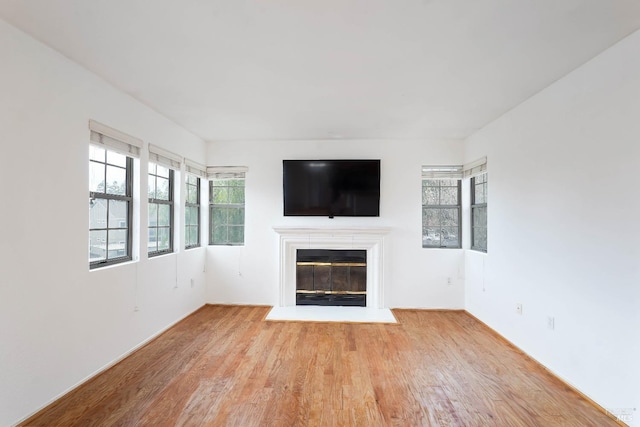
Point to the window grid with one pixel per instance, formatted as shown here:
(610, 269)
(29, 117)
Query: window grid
(110, 212)
(192, 212)
(160, 224)
(227, 211)
(479, 213)
(441, 213)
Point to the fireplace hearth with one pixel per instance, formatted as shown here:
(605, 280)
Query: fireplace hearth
(331, 277)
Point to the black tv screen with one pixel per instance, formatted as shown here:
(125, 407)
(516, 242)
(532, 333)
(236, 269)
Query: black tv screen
(331, 187)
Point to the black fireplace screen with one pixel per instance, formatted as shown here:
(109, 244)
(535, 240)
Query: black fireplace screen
(331, 277)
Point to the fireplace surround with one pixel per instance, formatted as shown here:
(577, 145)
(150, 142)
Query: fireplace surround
(369, 239)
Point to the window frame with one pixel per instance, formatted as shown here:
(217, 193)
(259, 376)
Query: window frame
(457, 207)
(196, 205)
(128, 198)
(170, 203)
(475, 207)
(226, 206)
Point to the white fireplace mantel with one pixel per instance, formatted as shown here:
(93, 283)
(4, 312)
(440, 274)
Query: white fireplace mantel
(370, 239)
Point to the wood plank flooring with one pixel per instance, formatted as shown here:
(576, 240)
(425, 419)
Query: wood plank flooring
(225, 366)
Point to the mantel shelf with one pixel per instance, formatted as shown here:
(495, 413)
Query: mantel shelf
(293, 230)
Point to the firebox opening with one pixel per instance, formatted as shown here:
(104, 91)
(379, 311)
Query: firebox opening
(331, 277)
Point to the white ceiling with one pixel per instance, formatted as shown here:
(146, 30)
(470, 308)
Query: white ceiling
(317, 69)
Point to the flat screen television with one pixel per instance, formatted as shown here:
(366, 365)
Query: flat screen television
(331, 187)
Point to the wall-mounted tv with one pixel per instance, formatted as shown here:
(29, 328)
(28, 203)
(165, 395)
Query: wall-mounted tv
(331, 187)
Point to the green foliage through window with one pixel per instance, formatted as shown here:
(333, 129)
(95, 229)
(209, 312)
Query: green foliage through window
(192, 212)
(110, 213)
(226, 206)
(160, 224)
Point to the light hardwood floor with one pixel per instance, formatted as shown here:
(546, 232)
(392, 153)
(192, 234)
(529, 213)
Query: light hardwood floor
(226, 366)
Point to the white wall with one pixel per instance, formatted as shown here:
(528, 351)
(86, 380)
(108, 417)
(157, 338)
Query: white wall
(563, 228)
(414, 277)
(59, 322)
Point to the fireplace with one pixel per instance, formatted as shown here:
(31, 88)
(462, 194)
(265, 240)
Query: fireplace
(331, 277)
(370, 240)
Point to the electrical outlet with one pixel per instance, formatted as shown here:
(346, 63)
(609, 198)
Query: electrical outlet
(193, 282)
(449, 281)
(519, 308)
(551, 322)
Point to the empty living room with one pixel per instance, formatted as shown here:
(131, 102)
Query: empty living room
(320, 213)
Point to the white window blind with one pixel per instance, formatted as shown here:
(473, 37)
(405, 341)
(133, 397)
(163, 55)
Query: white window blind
(226, 172)
(442, 172)
(195, 168)
(163, 157)
(475, 168)
(106, 137)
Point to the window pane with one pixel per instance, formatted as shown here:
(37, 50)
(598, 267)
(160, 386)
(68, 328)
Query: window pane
(480, 195)
(162, 190)
(153, 240)
(191, 215)
(219, 195)
(219, 216)
(430, 182)
(96, 177)
(152, 187)
(117, 243)
(153, 214)
(449, 237)
(96, 153)
(162, 171)
(192, 179)
(187, 216)
(480, 217)
(236, 216)
(192, 194)
(116, 180)
(117, 159)
(118, 213)
(164, 215)
(163, 238)
(449, 195)
(449, 217)
(430, 196)
(98, 213)
(431, 216)
(236, 195)
(236, 234)
(97, 245)
(430, 237)
(480, 238)
(219, 234)
(193, 235)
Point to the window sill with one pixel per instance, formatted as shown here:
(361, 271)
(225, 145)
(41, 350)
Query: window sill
(110, 266)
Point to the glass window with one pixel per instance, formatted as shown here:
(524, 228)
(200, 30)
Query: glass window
(441, 213)
(110, 207)
(479, 213)
(192, 212)
(226, 207)
(160, 210)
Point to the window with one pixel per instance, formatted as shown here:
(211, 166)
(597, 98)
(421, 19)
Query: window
(441, 207)
(111, 163)
(226, 208)
(110, 207)
(160, 210)
(479, 212)
(192, 212)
